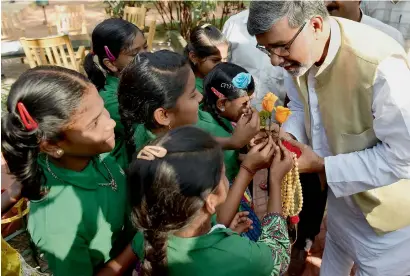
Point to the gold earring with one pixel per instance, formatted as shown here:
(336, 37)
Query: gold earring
(59, 152)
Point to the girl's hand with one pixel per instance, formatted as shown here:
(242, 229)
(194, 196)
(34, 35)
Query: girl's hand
(260, 156)
(241, 223)
(260, 137)
(246, 128)
(282, 163)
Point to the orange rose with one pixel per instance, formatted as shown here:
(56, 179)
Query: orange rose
(268, 102)
(282, 114)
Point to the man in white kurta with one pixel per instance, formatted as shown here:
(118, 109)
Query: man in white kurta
(349, 174)
(351, 10)
(350, 238)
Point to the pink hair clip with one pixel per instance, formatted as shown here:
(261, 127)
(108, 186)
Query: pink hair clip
(109, 55)
(217, 93)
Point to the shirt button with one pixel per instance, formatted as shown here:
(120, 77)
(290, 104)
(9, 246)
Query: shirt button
(317, 127)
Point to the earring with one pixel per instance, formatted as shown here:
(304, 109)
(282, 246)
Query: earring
(59, 152)
(222, 109)
(169, 127)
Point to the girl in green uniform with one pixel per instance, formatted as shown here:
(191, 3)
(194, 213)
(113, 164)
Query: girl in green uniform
(115, 43)
(174, 203)
(157, 92)
(206, 47)
(52, 135)
(228, 91)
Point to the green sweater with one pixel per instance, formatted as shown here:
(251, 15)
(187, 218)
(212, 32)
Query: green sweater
(80, 221)
(109, 95)
(223, 252)
(208, 123)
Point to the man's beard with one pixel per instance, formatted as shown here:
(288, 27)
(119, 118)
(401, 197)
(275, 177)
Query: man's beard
(295, 68)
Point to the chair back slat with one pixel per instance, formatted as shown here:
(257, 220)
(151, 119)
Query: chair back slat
(135, 15)
(151, 34)
(55, 50)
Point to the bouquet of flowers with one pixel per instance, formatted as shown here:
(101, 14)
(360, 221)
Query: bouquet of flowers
(292, 198)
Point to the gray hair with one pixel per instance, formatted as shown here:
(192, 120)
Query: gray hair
(263, 14)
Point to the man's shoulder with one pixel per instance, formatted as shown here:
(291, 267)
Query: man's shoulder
(238, 18)
(385, 28)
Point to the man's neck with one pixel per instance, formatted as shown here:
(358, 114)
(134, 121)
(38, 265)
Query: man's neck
(325, 48)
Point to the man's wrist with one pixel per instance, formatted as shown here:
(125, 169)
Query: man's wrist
(320, 165)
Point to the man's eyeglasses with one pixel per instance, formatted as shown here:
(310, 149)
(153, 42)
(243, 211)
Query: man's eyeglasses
(282, 51)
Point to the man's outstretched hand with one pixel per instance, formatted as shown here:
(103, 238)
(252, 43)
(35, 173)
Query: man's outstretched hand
(309, 161)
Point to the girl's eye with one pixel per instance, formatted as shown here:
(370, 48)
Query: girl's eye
(96, 123)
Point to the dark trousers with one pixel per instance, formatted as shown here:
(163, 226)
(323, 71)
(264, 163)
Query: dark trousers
(314, 204)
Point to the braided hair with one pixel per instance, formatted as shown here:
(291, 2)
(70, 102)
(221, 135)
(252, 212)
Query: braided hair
(167, 193)
(220, 78)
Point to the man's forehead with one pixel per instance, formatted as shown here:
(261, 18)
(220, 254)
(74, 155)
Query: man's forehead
(279, 33)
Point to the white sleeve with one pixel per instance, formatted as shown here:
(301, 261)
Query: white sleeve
(389, 160)
(295, 124)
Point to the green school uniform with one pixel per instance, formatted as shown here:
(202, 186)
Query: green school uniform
(109, 95)
(199, 84)
(79, 224)
(223, 252)
(208, 123)
(142, 136)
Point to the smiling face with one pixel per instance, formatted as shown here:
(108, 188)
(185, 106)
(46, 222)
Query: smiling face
(306, 48)
(90, 130)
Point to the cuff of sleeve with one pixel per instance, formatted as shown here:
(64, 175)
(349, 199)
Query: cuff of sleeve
(334, 174)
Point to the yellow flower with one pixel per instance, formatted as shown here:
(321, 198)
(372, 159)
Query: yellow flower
(282, 114)
(268, 102)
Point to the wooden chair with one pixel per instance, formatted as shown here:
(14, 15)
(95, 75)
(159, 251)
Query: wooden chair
(10, 30)
(70, 20)
(135, 15)
(151, 34)
(55, 50)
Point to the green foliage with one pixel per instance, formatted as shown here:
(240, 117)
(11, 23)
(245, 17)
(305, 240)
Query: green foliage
(264, 116)
(116, 8)
(185, 15)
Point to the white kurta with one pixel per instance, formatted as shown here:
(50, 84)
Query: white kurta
(350, 238)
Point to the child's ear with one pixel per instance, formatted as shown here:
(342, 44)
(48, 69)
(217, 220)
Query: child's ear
(110, 65)
(193, 58)
(220, 104)
(210, 203)
(51, 149)
(162, 117)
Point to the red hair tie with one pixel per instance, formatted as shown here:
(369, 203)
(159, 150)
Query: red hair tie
(28, 121)
(217, 93)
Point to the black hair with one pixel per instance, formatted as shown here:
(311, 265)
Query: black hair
(203, 42)
(150, 81)
(167, 193)
(51, 95)
(115, 33)
(220, 78)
